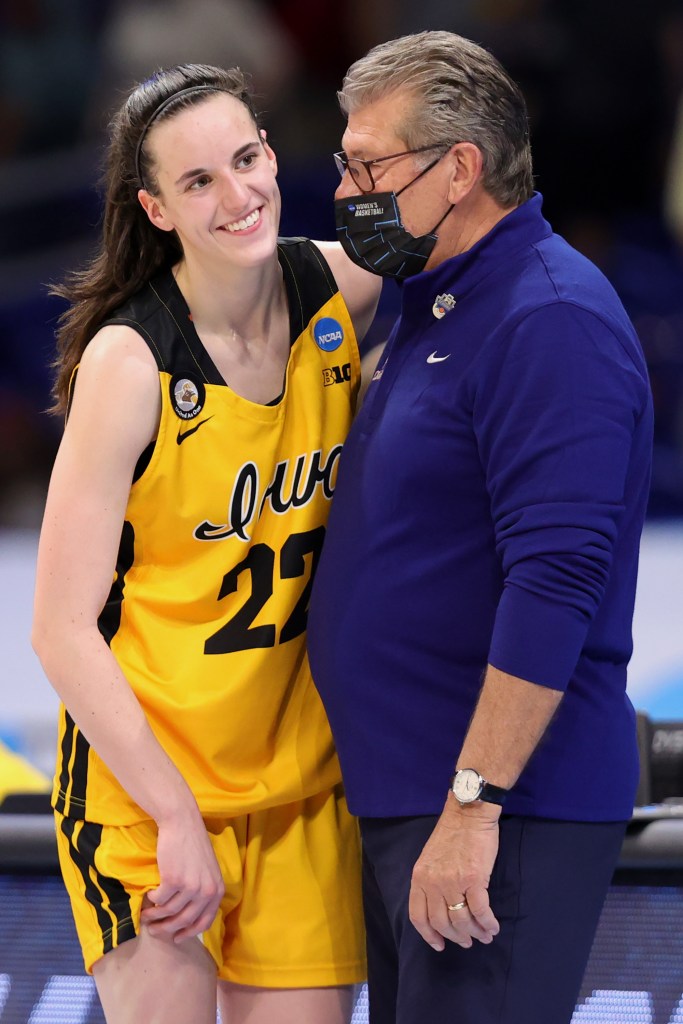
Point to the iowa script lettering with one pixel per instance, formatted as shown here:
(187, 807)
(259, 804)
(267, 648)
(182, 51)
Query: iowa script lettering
(293, 485)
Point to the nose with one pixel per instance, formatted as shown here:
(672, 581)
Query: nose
(346, 187)
(235, 193)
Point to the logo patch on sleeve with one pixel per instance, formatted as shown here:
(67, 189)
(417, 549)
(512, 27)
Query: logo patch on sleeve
(328, 334)
(187, 396)
(336, 374)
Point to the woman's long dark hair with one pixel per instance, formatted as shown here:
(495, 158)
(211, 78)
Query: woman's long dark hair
(131, 250)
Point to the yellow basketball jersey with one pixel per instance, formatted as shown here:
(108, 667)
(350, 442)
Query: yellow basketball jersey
(222, 533)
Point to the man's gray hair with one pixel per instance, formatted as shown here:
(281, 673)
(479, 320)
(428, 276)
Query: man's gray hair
(461, 94)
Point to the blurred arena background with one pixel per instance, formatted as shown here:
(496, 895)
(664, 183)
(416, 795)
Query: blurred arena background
(604, 84)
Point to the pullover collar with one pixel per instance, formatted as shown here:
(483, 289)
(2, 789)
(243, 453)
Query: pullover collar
(522, 227)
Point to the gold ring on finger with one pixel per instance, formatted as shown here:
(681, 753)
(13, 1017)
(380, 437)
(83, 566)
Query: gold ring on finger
(457, 906)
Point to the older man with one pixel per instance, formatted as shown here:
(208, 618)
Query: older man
(470, 624)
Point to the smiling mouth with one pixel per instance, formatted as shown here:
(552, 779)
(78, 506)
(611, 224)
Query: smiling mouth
(242, 225)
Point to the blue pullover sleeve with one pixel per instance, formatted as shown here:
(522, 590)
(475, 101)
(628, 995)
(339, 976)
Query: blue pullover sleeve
(556, 403)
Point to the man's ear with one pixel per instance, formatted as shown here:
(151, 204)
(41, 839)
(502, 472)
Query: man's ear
(154, 209)
(468, 165)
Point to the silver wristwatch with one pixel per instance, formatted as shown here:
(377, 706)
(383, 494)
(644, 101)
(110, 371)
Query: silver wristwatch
(468, 786)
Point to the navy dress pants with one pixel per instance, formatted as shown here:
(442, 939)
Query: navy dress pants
(547, 889)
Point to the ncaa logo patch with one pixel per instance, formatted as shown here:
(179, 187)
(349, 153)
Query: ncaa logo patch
(187, 396)
(328, 334)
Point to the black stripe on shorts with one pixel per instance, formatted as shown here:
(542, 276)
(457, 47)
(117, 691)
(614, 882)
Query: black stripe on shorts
(67, 747)
(115, 921)
(73, 782)
(79, 776)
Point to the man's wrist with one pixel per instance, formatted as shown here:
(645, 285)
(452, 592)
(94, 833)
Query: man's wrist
(477, 812)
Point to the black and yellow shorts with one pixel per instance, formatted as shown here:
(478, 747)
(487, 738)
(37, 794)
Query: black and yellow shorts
(291, 916)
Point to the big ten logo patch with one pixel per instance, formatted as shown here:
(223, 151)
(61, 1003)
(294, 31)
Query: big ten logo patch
(336, 374)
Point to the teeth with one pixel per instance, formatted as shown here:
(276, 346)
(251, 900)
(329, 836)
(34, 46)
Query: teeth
(240, 225)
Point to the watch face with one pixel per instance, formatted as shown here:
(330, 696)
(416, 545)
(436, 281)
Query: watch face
(467, 785)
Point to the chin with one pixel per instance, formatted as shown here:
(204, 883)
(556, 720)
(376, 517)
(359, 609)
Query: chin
(261, 252)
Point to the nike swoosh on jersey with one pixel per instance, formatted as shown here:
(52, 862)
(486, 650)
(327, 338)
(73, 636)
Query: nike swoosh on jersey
(437, 359)
(181, 437)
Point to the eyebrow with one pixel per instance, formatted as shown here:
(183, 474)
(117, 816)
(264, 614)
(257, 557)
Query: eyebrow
(202, 170)
(360, 154)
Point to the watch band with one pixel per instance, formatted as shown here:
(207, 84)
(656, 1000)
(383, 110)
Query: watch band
(493, 794)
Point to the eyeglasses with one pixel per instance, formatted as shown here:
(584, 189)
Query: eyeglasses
(360, 170)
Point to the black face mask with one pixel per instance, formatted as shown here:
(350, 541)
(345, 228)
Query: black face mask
(372, 234)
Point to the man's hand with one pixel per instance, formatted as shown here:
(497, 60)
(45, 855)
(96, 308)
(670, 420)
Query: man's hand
(455, 867)
(191, 887)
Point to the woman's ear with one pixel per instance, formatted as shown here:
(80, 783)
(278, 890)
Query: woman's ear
(272, 159)
(154, 209)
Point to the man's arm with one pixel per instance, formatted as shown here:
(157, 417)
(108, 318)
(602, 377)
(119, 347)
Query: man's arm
(554, 426)
(456, 863)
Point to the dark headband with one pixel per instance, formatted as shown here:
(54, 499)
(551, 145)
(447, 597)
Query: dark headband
(162, 106)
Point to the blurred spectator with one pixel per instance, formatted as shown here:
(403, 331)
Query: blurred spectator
(145, 35)
(25, 460)
(48, 49)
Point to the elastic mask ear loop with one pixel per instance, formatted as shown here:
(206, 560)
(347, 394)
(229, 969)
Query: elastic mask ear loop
(424, 171)
(437, 226)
